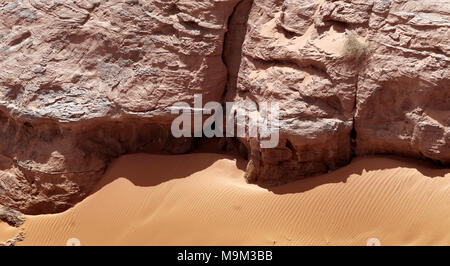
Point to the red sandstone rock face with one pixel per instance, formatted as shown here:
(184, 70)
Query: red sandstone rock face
(395, 101)
(284, 60)
(403, 100)
(77, 60)
(86, 81)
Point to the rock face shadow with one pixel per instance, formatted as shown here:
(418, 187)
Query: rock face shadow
(358, 166)
(152, 170)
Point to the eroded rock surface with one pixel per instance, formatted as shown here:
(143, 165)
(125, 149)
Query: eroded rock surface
(11, 217)
(287, 59)
(85, 81)
(395, 101)
(403, 100)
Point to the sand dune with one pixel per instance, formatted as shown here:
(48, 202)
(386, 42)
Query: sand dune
(202, 199)
(7, 232)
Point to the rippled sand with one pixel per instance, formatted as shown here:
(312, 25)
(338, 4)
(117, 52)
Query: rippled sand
(202, 199)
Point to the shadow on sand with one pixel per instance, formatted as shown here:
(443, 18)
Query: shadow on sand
(358, 166)
(146, 170)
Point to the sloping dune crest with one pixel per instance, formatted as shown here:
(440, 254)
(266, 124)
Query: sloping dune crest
(203, 199)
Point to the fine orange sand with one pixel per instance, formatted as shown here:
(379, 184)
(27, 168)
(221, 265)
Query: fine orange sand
(7, 232)
(202, 199)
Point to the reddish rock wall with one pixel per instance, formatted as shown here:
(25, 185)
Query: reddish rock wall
(86, 81)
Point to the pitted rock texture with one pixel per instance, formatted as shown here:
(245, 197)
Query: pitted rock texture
(395, 101)
(77, 60)
(11, 217)
(85, 81)
(289, 61)
(403, 100)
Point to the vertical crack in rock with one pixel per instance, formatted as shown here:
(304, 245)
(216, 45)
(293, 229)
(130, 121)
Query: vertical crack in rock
(306, 77)
(354, 132)
(233, 41)
(98, 92)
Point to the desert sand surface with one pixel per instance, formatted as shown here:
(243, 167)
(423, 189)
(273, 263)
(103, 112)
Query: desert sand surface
(7, 232)
(203, 199)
